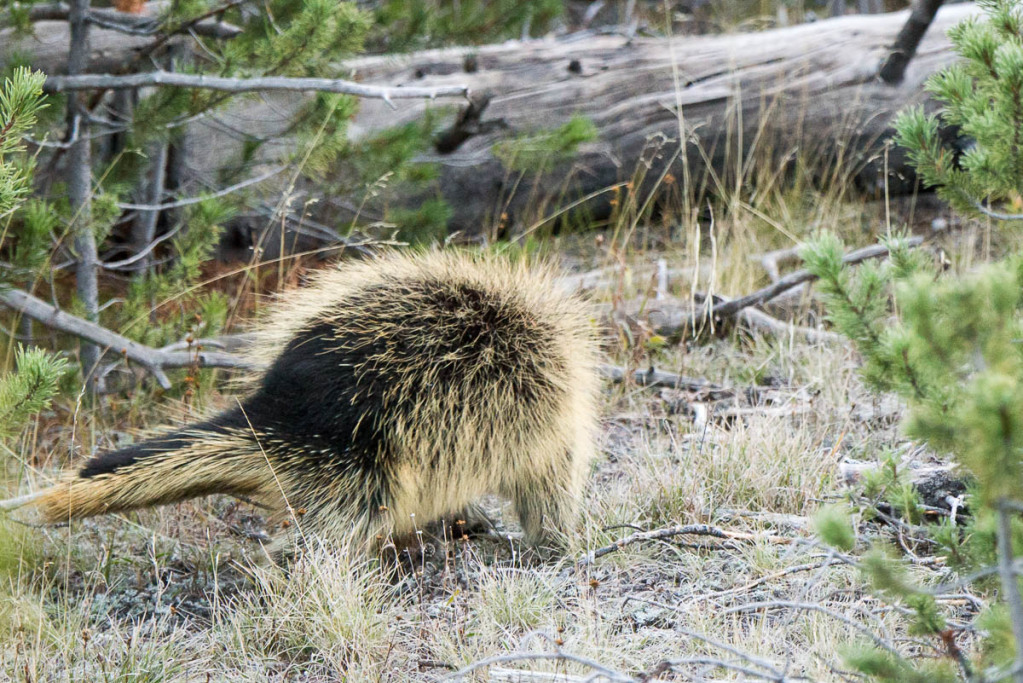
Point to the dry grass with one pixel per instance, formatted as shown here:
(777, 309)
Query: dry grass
(175, 595)
(183, 594)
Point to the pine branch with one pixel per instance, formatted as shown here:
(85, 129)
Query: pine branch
(59, 84)
(1010, 587)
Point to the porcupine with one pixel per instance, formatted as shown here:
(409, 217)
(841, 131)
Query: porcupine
(397, 390)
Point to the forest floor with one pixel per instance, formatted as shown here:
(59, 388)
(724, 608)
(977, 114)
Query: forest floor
(185, 592)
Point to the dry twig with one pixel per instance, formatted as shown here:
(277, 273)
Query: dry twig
(657, 378)
(678, 530)
(731, 307)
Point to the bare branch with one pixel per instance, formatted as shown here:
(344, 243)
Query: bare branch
(198, 200)
(991, 213)
(656, 378)
(809, 566)
(143, 233)
(154, 360)
(772, 261)
(678, 530)
(58, 84)
(143, 253)
(758, 320)
(733, 306)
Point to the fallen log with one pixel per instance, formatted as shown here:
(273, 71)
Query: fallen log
(810, 92)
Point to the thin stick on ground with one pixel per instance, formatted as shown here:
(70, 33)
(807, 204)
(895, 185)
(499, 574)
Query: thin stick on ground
(731, 307)
(679, 530)
(657, 378)
(814, 607)
(808, 567)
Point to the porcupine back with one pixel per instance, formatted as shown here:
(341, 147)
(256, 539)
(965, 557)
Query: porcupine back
(397, 390)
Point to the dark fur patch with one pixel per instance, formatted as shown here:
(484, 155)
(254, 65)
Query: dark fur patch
(324, 406)
(329, 395)
(111, 462)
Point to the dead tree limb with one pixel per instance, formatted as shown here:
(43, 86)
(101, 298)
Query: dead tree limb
(922, 13)
(656, 378)
(756, 319)
(468, 124)
(674, 322)
(671, 318)
(679, 530)
(79, 181)
(153, 360)
(58, 84)
(733, 306)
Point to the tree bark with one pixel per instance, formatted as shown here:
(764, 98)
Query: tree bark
(920, 17)
(79, 182)
(115, 39)
(810, 92)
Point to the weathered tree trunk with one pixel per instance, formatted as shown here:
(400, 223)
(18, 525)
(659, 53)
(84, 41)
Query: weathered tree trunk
(809, 92)
(79, 182)
(110, 50)
(47, 47)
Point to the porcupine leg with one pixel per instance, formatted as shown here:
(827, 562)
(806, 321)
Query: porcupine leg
(472, 520)
(547, 503)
